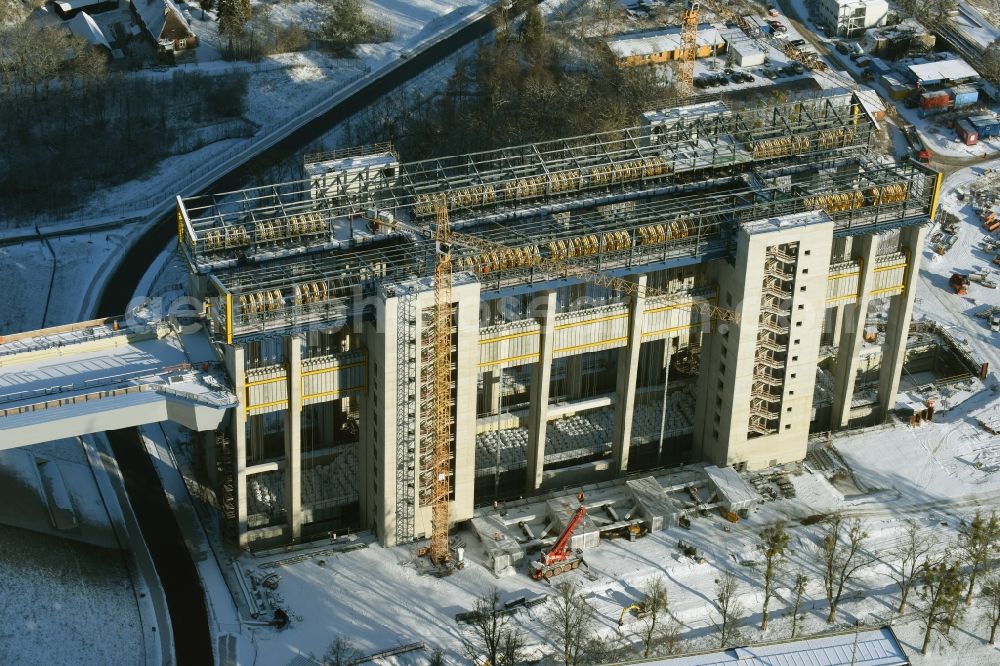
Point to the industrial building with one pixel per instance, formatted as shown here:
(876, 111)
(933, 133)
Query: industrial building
(659, 46)
(587, 339)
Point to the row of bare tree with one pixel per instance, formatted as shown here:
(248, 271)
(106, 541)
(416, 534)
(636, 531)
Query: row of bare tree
(937, 584)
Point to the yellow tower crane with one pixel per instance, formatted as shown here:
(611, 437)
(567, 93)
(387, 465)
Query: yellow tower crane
(689, 45)
(440, 552)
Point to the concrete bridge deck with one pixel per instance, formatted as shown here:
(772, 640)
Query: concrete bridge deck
(103, 375)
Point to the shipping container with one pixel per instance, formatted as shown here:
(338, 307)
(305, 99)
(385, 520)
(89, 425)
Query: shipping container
(935, 100)
(963, 96)
(987, 126)
(880, 66)
(966, 132)
(897, 89)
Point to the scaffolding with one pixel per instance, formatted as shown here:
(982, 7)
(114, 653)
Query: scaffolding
(772, 339)
(406, 403)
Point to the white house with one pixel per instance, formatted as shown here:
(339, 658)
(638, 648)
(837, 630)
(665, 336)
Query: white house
(850, 18)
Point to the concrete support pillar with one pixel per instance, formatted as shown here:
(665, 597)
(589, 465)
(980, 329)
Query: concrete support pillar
(911, 241)
(492, 390)
(835, 320)
(852, 333)
(293, 438)
(236, 366)
(628, 368)
(574, 364)
(574, 376)
(538, 408)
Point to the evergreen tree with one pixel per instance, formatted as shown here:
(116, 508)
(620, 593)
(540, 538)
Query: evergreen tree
(773, 543)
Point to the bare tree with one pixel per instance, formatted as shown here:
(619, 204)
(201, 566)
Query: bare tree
(654, 605)
(773, 543)
(341, 653)
(911, 555)
(841, 561)
(494, 642)
(990, 63)
(977, 539)
(940, 589)
(570, 622)
(991, 616)
(730, 609)
(799, 590)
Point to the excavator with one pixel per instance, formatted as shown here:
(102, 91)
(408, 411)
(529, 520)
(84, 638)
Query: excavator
(560, 558)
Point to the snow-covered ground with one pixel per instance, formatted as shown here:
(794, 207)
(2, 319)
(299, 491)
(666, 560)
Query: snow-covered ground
(935, 299)
(66, 597)
(64, 602)
(44, 287)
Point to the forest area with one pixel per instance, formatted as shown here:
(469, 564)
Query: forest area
(62, 142)
(535, 81)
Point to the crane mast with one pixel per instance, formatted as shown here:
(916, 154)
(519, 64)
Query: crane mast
(689, 45)
(442, 402)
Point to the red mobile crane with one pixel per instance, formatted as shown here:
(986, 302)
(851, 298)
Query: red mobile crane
(560, 558)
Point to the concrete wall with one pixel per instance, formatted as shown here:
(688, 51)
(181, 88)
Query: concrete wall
(729, 357)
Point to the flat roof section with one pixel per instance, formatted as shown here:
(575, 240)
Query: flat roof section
(873, 647)
(944, 70)
(661, 41)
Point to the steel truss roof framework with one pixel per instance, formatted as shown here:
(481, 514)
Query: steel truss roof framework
(239, 226)
(861, 194)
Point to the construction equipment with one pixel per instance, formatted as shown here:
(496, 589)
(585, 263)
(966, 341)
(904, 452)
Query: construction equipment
(637, 609)
(959, 283)
(441, 395)
(689, 45)
(560, 558)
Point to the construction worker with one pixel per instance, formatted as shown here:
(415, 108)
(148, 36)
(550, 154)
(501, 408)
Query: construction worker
(579, 496)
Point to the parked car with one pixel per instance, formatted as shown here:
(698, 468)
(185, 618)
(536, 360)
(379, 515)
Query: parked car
(797, 42)
(772, 10)
(778, 26)
(700, 82)
(842, 48)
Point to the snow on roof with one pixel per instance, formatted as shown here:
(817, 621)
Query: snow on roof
(862, 3)
(67, 6)
(950, 70)
(352, 163)
(153, 14)
(661, 41)
(734, 490)
(83, 26)
(874, 647)
(691, 110)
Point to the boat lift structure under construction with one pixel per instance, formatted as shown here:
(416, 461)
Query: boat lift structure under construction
(618, 302)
